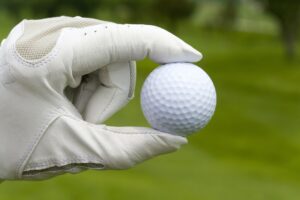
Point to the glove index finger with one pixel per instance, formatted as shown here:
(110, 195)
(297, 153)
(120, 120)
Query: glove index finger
(99, 45)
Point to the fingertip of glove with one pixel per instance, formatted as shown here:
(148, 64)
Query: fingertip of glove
(197, 56)
(167, 138)
(192, 55)
(167, 47)
(175, 141)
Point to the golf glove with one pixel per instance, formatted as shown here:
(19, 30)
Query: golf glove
(60, 78)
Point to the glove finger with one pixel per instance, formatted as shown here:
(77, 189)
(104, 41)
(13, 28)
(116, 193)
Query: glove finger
(99, 45)
(80, 145)
(80, 95)
(140, 144)
(105, 91)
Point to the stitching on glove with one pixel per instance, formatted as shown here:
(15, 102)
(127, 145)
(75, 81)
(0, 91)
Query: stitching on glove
(136, 133)
(54, 162)
(132, 72)
(54, 171)
(35, 63)
(40, 62)
(113, 131)
(63, 169)
(48, 121)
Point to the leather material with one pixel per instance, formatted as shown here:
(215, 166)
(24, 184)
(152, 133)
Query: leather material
(80, 145)
(51, 107)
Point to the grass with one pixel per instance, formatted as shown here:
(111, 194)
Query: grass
(249, 151)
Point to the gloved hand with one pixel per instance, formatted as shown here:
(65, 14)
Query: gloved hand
(60, 78)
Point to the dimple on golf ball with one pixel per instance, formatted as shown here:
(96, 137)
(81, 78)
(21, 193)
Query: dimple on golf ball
(178, 98)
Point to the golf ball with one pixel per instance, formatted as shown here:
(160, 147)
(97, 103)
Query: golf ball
(178, 98)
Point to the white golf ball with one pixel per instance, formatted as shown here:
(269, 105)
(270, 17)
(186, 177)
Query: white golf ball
(178, 98)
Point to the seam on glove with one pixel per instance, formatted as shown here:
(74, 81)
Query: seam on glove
(36, 139)
(39, 62)
(55, 171)
(36, 63)
(132, 71)
(106, 128)
(136, 133)
(54, 162)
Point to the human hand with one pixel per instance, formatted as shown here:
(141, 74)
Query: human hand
(60, 78)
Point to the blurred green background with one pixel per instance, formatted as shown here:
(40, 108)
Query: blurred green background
(251, 148)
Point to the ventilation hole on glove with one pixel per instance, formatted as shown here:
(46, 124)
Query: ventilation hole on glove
(105, 26)
(95, 31)
(128, 26)
(85, 34)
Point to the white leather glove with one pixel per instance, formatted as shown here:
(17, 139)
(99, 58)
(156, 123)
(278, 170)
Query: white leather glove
(60, 78)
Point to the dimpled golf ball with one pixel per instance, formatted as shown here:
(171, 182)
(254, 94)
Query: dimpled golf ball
(178, 98)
